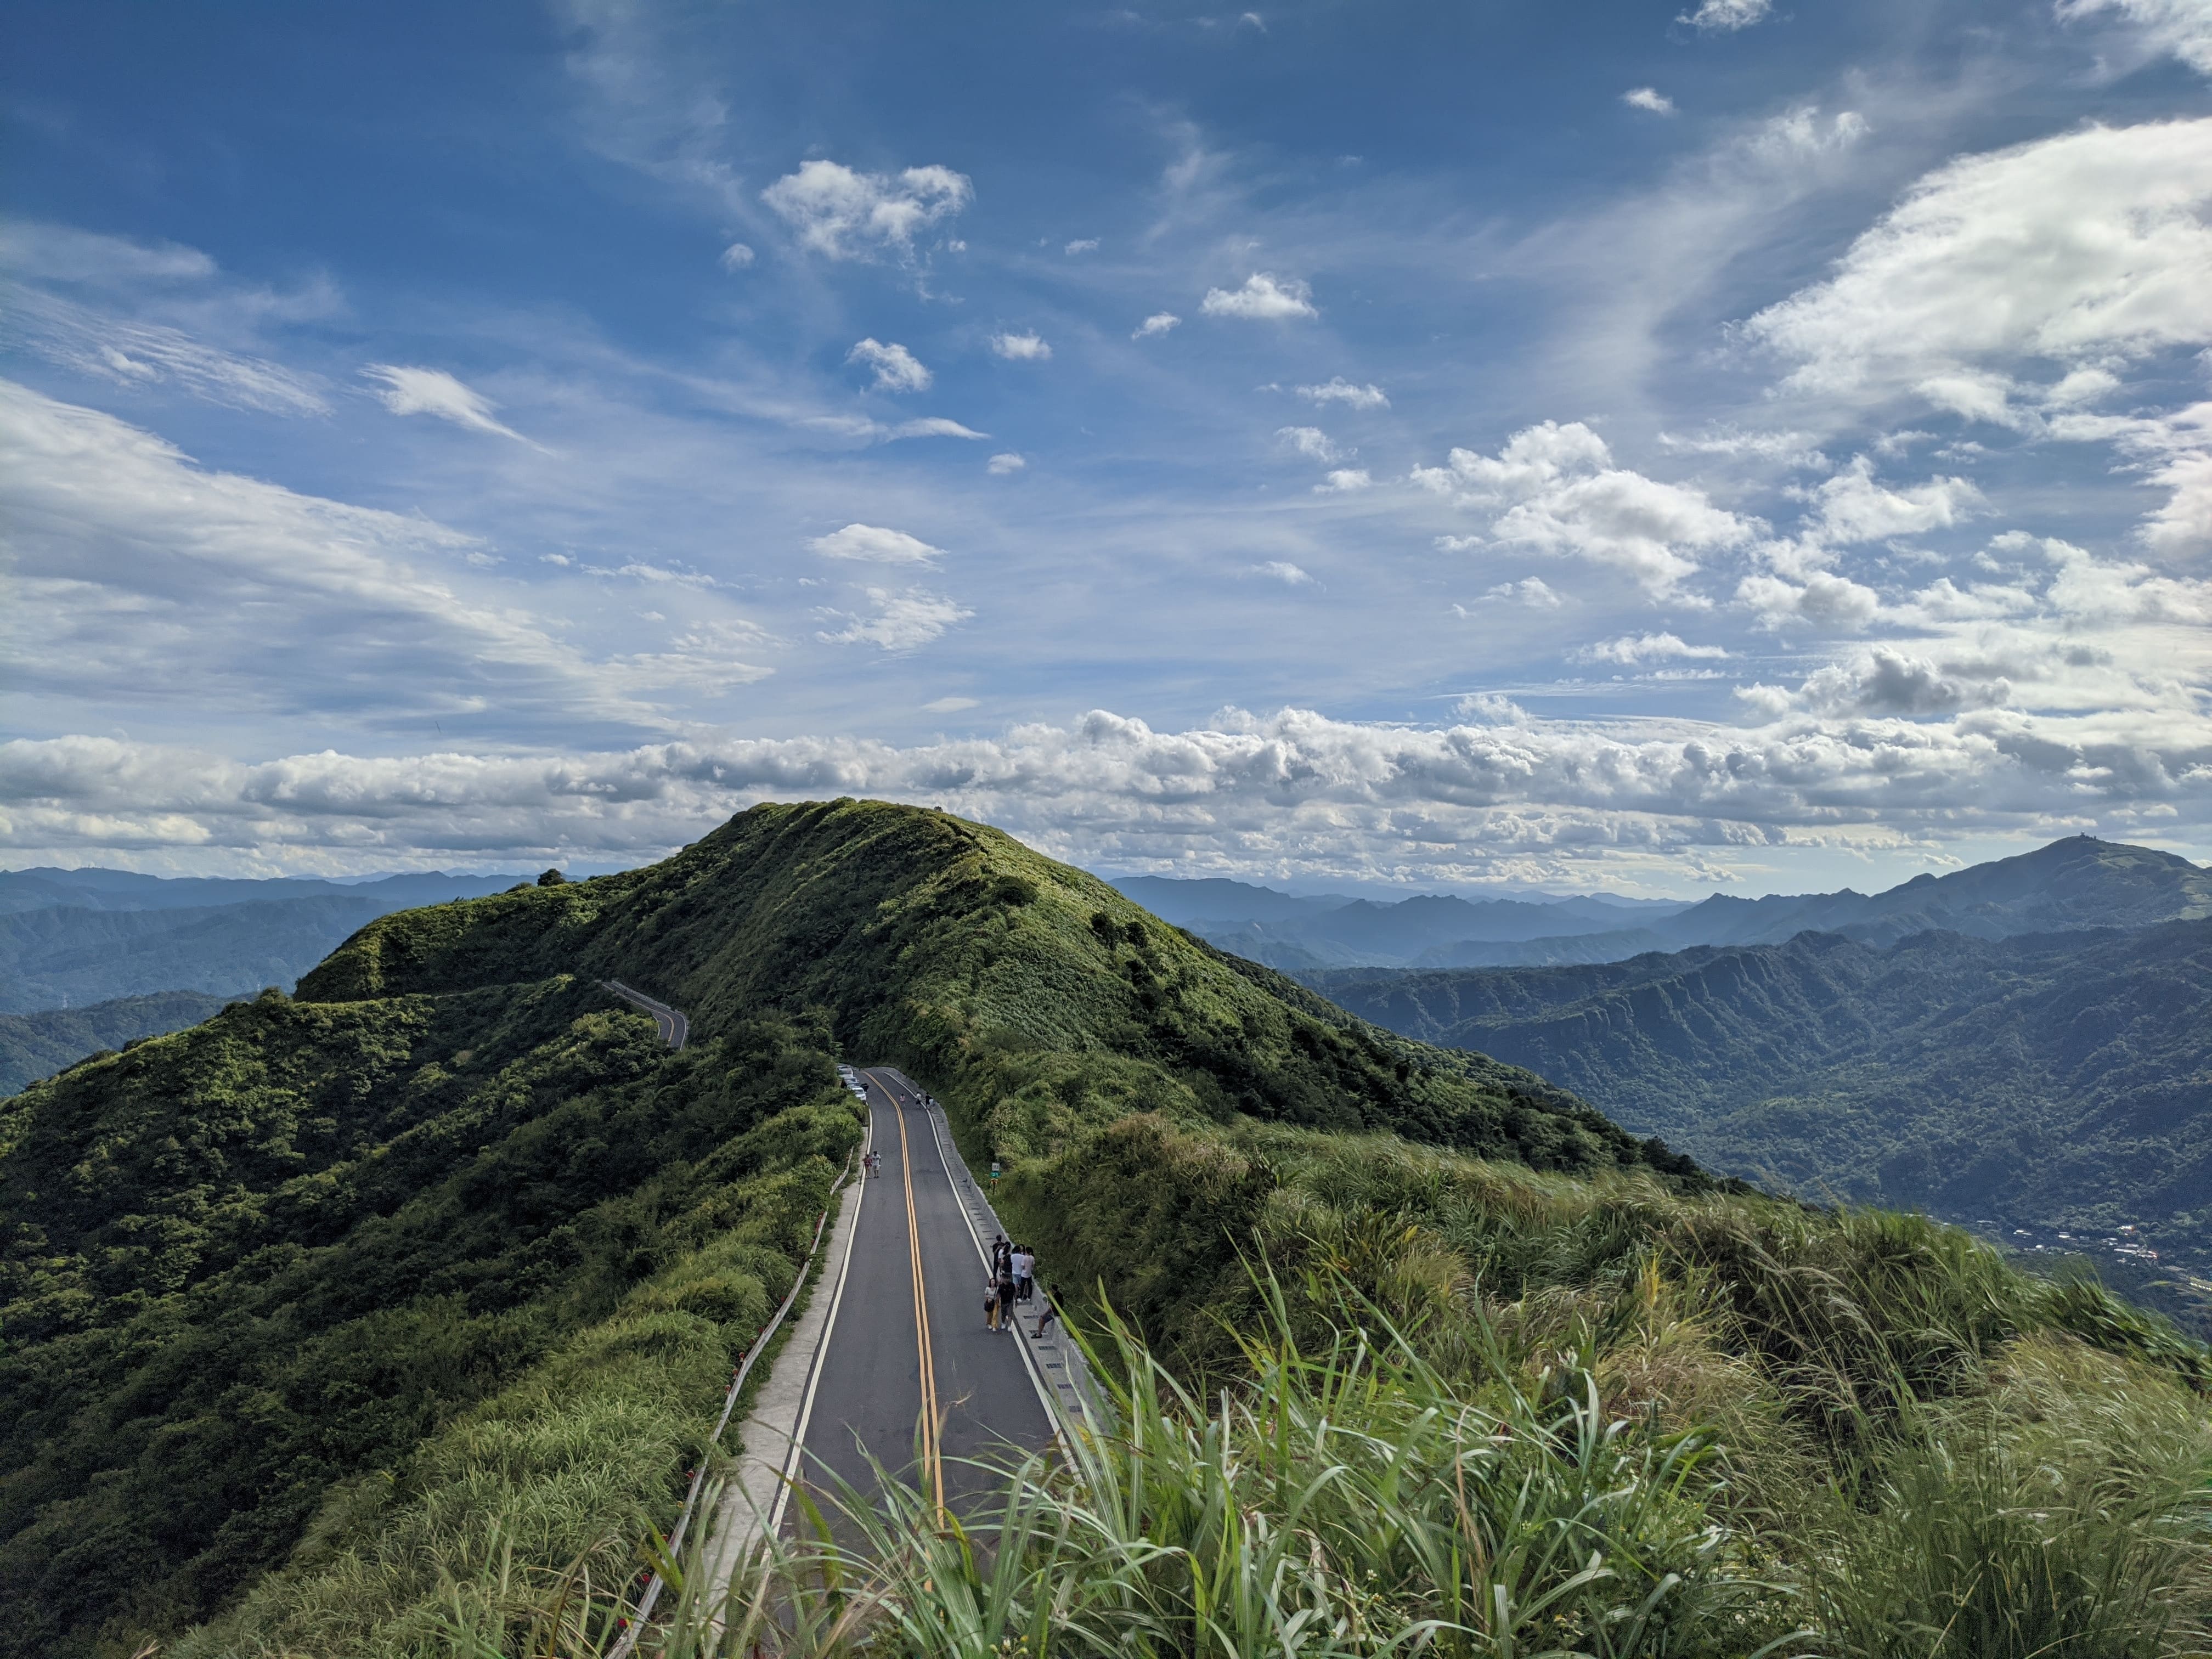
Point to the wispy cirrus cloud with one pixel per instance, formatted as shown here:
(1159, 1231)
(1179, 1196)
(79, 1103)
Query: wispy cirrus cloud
(434, 392)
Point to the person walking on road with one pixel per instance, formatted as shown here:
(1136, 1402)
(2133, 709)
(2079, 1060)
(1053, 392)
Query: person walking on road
(993, 1308)
(1003, 1278)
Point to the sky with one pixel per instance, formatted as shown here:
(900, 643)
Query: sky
(1717, 444)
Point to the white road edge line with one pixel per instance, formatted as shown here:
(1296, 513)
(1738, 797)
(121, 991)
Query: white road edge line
(1052, 1409)
(822, 1350)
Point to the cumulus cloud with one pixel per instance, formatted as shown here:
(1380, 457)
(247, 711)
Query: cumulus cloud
(434, 392)
(1531, 591)
(896, 369)
(1310, 441)
(1262, 297)
(1081, 245)
(896, 622)
(873, 544)
(1295, 789)
(1346, 480)
(1650, 99)
(1021, 348)
(844, 215)
(2082, 249)
(1725, 16)
(1830, 602)
(1633, 649)
(1556, 489)
(1000, 465)
(1156, 325)
(1338, 390)
(1281, 570)
(736, 256)
(1852, 506)
(2183, 28)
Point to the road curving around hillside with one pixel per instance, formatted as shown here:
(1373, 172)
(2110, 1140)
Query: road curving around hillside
(675, 1029)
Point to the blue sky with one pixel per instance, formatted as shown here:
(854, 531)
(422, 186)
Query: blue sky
(1466, 445)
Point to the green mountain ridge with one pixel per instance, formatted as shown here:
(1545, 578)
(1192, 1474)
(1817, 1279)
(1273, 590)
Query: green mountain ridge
(2041, 1081)
(305, 1296)
(37, 1045)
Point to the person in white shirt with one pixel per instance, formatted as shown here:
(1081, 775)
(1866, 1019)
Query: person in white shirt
(1024, 1272)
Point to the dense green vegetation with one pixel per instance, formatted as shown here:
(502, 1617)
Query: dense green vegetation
(37, 1045)
(249, 1263)
(1033, 990)
(1444, 1403)
(439, 1261)
(2057, 1081)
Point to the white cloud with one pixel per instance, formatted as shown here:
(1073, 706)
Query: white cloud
(1726, 15)
(876, 545)
(898, 623)
(1000, 465)
(1531, 591)
(2183, 28)
(1345, 480)
(1281, 570)
(1794, 449)
(2081, 250)
(1021, 348)
(1157, 324)
(1632, 649)
(844, 215)
(1310, 441)
(65, 254)
(948, 705)
(434, 392)
(896, 369)
(136, 573)
(1262, 297)
(1081, 245)
(135, 354)
(1851, 507)
(931, 426)
(1886, 681)
(1295, 790)
(1829, 602)
(1648, 98)
(1802, 135)
(1338, 390)
(736, 256)
(1559, 492)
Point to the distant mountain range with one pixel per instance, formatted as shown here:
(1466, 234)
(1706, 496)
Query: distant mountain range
(2077, 883)
(1929, 1051)
(71, 937)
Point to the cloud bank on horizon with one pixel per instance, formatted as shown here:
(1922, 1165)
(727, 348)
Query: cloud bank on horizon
(1798, 462)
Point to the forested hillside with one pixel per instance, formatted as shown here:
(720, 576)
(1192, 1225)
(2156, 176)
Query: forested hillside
(447, 1241)
(37, 1045)
(2053, 1081)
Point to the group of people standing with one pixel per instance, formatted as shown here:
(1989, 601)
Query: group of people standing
(1012, 1283)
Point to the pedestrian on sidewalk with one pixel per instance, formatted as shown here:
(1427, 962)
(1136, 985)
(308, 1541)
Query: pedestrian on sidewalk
(991, 1305)
(1024, 1272)
(1003, 1281)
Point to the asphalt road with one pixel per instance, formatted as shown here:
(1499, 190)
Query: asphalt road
(675, 1029)
(887, 1348)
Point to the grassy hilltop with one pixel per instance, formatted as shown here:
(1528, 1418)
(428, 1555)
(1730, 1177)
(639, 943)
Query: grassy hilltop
(352, 1322)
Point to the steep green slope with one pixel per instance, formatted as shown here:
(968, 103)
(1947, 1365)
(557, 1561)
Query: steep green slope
(307, 1281)
(249, 1262)
(1034, 993)
(2044, 1082)
(38, 1045)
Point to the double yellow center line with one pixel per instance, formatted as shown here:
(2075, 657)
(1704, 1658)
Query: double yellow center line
(933, 1462)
